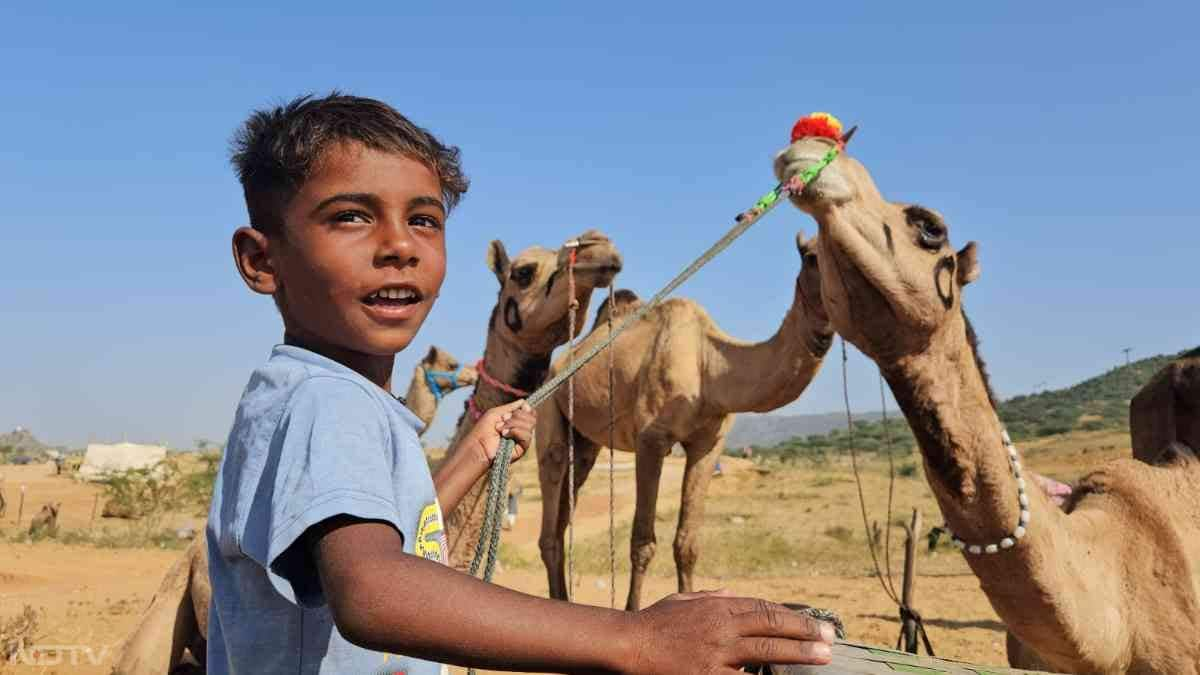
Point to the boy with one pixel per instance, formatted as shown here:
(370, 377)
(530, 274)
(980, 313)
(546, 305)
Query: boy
(325, 539)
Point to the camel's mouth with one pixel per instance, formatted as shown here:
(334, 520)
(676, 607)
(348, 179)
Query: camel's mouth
(603, 271)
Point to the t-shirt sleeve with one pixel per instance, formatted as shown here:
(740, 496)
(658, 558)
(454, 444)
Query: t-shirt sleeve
(330, 455)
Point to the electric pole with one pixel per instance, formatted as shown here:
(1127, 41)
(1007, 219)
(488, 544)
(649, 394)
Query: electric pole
(1127, 350)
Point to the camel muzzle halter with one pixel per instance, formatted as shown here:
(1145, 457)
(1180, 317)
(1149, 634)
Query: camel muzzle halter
(435, 388)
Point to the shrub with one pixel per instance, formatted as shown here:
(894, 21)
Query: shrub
(17, 632)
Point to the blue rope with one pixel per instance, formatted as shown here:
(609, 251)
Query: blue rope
(431, 377)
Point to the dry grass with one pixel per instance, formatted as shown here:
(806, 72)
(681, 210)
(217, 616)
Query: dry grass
(804, 519)
(18, 632)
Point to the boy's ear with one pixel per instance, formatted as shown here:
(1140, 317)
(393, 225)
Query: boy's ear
(497, 260)
(252, 256)
(968, 264)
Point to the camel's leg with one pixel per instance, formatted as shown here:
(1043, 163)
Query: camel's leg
(703, 450)
(551, 445)
(649, 461)
(169, 624)
(585, 458)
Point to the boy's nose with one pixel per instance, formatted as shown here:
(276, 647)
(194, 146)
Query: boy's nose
(397, 246)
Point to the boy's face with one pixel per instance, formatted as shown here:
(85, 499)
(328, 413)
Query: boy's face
(362, 255)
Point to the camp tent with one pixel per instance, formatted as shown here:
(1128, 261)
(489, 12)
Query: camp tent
(102, 460)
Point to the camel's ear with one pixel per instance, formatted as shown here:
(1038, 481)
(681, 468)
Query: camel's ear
(431, 356)
(497, 260)
(801, 245)
(968, 264)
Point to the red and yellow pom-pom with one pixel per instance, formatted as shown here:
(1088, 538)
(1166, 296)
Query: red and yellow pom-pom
(817, 124)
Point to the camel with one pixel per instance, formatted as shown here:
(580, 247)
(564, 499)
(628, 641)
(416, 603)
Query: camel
(530, 319)
(177, 617)
(1108, 584)
(1166, 412)
(678, 378)
(46, 521)
(435, 376)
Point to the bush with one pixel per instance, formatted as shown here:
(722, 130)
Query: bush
(141, 493)
(18, 632)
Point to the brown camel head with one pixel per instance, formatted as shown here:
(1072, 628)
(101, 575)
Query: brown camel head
(889, 278)
(532, 310)
(1164, 416)
(440, 366)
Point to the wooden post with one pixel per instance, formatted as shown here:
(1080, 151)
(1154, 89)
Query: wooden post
(21, 508)
(95, 505)
(912, 533)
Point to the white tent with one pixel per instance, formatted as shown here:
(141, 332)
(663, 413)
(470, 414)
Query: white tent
(102, 460)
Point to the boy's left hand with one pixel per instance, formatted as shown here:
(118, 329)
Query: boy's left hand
(514, 420)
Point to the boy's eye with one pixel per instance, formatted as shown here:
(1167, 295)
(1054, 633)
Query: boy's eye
(425, 221)
(350, 217)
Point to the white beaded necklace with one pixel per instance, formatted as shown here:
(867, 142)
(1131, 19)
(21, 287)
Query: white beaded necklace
(1014, 461)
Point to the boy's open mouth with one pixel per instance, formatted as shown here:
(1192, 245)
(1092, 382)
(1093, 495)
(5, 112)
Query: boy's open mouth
(393, 296)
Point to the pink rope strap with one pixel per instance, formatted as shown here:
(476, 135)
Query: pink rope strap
(483, 375)
(473, 407)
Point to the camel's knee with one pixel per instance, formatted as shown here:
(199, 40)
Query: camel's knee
(687, 551)
(640, 555)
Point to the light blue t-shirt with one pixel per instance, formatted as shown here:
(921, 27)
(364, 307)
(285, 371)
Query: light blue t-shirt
(311, 439)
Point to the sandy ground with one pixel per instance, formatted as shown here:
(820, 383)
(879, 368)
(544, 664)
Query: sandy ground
(92, 597)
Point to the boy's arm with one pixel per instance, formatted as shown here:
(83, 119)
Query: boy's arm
(468, 461)
(384, 599)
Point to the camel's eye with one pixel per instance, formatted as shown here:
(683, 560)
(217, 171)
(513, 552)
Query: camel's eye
(523, 275)
(931, 231)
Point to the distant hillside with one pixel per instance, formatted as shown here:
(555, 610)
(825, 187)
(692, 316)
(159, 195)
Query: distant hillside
(21, 442)
(765, 429)
(1101, 402)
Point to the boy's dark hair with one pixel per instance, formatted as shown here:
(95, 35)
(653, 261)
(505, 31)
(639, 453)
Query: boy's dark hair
(275, 150)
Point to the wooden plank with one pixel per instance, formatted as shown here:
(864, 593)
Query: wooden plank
(855, 659)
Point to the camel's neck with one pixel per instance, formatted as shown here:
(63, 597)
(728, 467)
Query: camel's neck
(510, 365)
(1037, 587)
(758, 377)
(420, 399)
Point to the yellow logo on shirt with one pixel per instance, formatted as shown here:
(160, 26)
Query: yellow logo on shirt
(431, 536)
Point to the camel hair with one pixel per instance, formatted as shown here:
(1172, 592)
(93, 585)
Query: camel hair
(530, 319)
(678, 378)
(1108, 584)
(177, 616)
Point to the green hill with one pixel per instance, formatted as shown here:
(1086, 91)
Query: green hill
(1101, 402)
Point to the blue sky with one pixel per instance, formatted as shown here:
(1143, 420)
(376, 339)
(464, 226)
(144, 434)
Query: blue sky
(1060, 136)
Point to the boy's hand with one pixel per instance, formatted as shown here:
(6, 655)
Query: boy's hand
(515, 420)
(711, 632)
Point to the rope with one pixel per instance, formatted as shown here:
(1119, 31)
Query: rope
(573, 308)
(612, 501)
(887, 535)
(888, 584)
(891, 592)
(907, 613)
(489, 536)
(506, 388)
